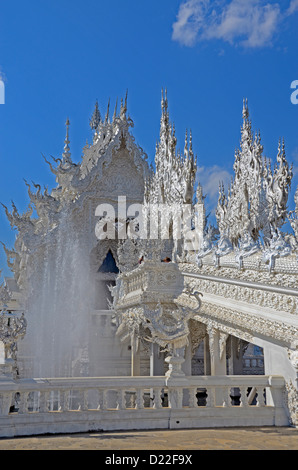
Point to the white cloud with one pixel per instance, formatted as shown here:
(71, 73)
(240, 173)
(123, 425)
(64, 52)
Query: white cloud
(250, 23)
(293, 7)
(209, 178)
(189, 21)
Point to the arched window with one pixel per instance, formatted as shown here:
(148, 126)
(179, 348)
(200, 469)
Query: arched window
(106, 274)
(109, 264)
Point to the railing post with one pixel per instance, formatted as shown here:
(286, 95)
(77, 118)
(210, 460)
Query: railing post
(84, 406)
(193, 401)
(105, 399)
(6, 399)
(260, 396)
(43, 401)
(157, 398)
(243, 396)
(121, 404)
(227, 398)
(100, 400)
(277, 390)
(140, 399)
(210, 402)
(62, 400)
(175, 397)
(23, 402)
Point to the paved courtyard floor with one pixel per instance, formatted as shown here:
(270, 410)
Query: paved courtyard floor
(265, 438)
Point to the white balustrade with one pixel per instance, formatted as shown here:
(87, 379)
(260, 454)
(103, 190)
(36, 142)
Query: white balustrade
(128, 402)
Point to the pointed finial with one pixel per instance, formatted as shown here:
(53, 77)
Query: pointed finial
(283, 147)
(108, 112)
(125, 102)
(191, 154)
(281, 153)
(245, 112)
(115, 110)
(96, 118)
(186, 145)
(67, 123)
(66, 151)
(123, 107)
(199, 194)
(164, 101)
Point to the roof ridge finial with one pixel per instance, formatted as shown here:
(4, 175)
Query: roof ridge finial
(125, 102)
(95, 118)
(115, 110)
(108, 112)
(66, 156)
(123, 107)
(164, 101)
(186, 144)
(245, 112)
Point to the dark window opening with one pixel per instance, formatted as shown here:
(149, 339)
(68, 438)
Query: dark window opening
(109, 264)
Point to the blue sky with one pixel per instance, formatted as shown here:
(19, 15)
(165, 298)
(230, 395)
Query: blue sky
(58, 57)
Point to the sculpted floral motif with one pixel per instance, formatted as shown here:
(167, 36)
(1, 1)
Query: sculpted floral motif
(251, 295)
(12, 328)
(292, 402)
(245, 326)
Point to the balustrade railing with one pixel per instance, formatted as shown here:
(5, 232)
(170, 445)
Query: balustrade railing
(28, 402)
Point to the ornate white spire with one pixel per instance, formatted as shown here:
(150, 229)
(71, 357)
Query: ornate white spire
(245, 111)
(241, 213)
(123, 107)
(66, 156)
(174, 178)
(277, 186)
(257, 199)
(115, 110)
(95, 118)
(107, 118)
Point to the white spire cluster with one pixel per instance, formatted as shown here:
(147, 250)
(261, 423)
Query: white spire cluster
(256, 203)
(174, 178)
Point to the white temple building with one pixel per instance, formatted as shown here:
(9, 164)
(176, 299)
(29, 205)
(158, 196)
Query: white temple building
(120, 285)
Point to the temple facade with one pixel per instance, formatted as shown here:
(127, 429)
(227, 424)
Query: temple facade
(119, 272)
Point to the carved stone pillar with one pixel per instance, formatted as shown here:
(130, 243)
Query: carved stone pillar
(236, 349)
(135, 356)
(12, 328)
(156, 360)
(207, 361)
(6, 365)
(186, 366)
(217, 347)
(2, 352)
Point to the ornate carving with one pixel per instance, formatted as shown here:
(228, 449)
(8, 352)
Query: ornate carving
(197, 334)
(292, 402)
(277, 248)
(250, 295)
(256, 201)
(12, 329)
(128, 255)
